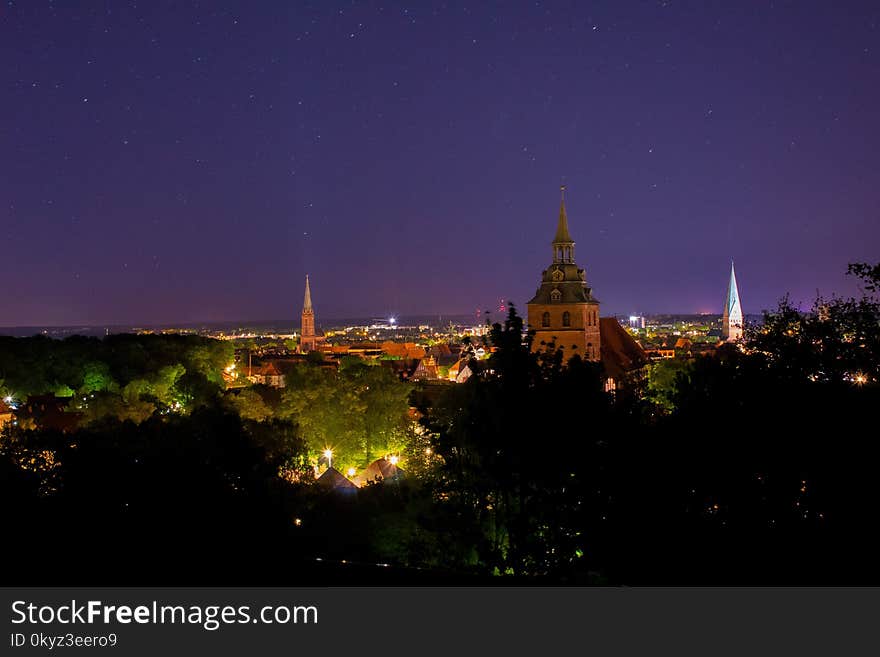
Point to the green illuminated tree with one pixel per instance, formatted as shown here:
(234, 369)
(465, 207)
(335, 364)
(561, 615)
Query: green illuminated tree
(95, 378)
(665, 378)
(249, 405)
(359, 411)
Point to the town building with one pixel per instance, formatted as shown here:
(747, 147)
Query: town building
(402, 349)
(6, 413)
(660, 353)
(267, 374)
(48, 412)
(426, 369)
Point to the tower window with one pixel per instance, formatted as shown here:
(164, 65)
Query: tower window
(555, 295)
(545, 319)
(566, 318)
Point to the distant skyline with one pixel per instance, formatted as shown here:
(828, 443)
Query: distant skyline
(173, 162)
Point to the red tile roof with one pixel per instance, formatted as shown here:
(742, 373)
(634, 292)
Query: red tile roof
(620, 352)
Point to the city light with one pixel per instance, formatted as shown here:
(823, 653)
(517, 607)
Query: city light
(392, 321)
(860, 379)
(351, 472)
(393, 460)
(328, 454)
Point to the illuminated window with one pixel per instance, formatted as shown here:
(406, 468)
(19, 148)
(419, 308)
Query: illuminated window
(566, 318)
(545, 319)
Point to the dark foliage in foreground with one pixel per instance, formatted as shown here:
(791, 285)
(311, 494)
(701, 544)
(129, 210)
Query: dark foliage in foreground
(159, 501)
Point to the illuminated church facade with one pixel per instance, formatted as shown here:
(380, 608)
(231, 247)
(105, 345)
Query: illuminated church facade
(565, 312)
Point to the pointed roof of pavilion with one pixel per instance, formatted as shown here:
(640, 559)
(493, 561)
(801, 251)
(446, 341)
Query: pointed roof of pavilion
(333, 479)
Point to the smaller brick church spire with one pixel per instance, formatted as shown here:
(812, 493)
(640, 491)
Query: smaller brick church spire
(307, 301)
(308, 338)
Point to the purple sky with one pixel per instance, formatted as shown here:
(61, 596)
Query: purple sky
(177, 161)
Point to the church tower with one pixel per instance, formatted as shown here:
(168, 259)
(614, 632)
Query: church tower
(563, 309)
(307, 341)
(732, 320)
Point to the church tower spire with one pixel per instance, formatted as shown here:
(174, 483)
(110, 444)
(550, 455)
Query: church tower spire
(563, 245)
(564, 311)
(307, 300)
(732, 320)
(307, 341)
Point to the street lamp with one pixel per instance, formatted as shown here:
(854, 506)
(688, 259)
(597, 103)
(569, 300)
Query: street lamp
(328, 454)
(393, 460)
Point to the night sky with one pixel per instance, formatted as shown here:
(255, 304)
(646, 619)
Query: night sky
(177, 161)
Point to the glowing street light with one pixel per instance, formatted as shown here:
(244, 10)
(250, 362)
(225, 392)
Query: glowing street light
(350, 472)
(393, 460)
(860, 379)
(328, 454)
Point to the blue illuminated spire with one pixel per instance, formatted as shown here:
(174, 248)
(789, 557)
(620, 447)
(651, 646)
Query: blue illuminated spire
(732, 322)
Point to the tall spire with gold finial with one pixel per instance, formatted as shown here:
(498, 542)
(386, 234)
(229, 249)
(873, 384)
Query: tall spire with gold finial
(563, 245)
